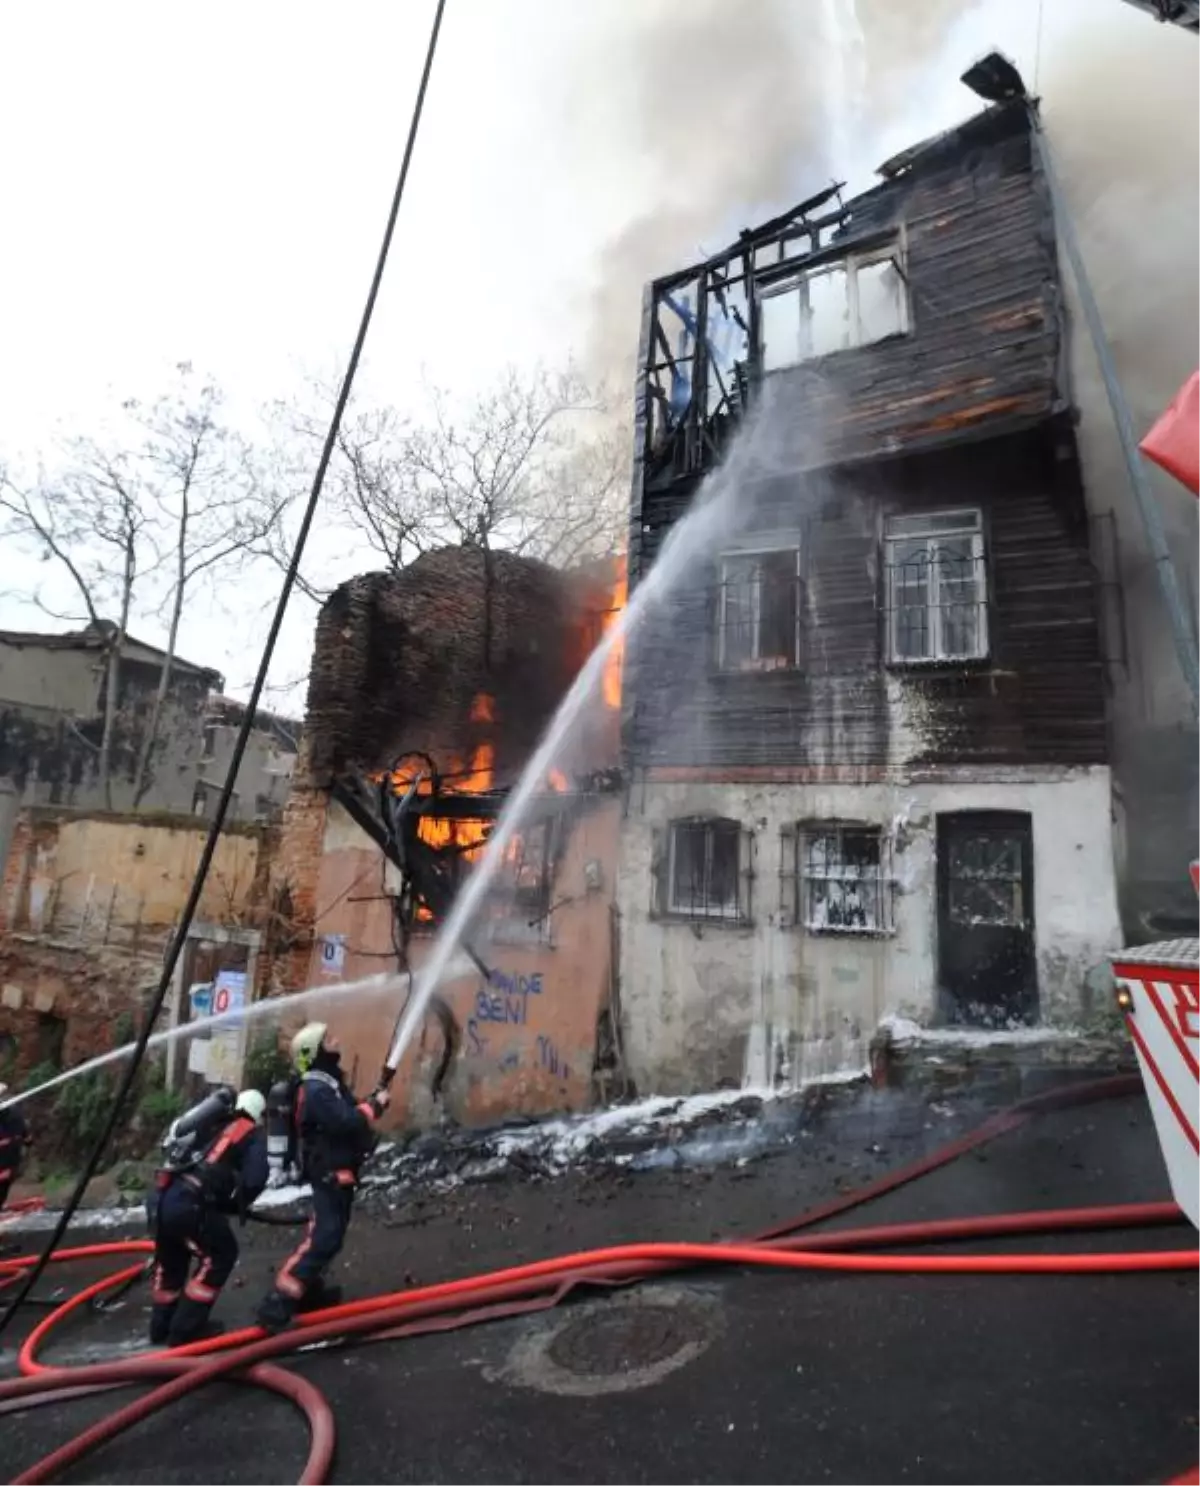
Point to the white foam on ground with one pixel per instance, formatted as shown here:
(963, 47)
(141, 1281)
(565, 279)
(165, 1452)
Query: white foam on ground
(559, 1142)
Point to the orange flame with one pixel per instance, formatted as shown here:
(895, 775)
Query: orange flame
(483, 708)
(612, 667)
(557, 781)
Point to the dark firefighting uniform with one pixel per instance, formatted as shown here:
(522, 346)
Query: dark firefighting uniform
(14, 1137)
(335, 1136)
(192, 1222)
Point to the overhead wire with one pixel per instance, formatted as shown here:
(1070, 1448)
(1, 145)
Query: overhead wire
(178, 940)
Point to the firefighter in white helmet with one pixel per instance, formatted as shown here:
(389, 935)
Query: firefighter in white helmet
(334, 1135)
(214, 1166)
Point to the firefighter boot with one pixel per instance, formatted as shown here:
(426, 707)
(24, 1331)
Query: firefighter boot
(319, 1296)
(191, 1323)
(161, 1316)
(276, 1312)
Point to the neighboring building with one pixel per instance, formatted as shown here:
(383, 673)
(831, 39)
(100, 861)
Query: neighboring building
(865, 746)
(52, 698)
(265, 776)
(88, 902)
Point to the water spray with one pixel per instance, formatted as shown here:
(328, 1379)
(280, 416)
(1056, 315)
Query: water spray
(711, 516)
(380, 984)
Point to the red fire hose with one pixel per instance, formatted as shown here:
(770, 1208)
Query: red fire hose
(535, 1286)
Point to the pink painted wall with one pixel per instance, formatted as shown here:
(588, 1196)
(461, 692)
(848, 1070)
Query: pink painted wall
(528, 1037)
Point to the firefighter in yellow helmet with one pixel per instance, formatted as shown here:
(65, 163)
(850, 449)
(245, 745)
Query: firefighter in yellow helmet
(334, 1134)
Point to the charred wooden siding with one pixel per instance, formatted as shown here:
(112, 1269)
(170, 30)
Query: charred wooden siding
(984, 352)
(1038, 697)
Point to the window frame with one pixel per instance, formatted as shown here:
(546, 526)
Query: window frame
(808, 831)
(737, 915)
(795, 279)
(735, 555)
(970, 523)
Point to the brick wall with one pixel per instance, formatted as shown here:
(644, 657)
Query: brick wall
(399, 659)
(59, 1001)
(295, 872)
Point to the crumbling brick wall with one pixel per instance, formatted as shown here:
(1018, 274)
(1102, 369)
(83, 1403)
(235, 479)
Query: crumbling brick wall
(60, 1002)
(400, 658)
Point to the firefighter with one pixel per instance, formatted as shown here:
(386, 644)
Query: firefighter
(215, 1166)
(334, 1133)
(14, 1137)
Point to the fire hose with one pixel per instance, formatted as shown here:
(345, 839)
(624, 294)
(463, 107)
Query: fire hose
(246, 1354)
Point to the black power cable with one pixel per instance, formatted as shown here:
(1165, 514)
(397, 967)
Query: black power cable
(243, 737)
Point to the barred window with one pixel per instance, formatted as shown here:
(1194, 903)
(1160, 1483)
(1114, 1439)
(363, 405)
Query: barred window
(703, 870)
(759, 612)
(845, 883)
(936, 588)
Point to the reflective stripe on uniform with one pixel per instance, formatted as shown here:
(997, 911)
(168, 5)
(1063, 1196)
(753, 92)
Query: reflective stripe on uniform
(285, 1281)
(232, 1135)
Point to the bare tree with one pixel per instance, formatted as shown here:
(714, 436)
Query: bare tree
(214, 514)
(533, 466)
(92, 521)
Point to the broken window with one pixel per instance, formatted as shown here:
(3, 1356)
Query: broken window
(937, 588)
(845, 884)
(759, 611)
(705, 870)
(853, 301)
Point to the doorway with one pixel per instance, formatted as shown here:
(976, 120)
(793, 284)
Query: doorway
(987, 963)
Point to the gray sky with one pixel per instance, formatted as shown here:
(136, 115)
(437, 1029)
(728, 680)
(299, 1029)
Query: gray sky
(208, 183)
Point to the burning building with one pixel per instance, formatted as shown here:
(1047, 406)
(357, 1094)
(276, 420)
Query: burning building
(866, 749)
(429, 690)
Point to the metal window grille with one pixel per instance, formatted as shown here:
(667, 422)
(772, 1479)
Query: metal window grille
(936, 588)
(760, 611)
(845, 880)
(986, 881)
(707, 871)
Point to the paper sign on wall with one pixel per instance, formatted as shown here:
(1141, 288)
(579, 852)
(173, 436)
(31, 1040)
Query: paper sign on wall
(333, 954)
(229, 993)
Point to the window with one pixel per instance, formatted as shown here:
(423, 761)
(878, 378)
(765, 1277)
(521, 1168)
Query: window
(845, 886)
(852, 301)
(986, 880)
(759, 611)
(704, 871)
(199, 800)
(519, 902)
(51, 1037)
(937, 588)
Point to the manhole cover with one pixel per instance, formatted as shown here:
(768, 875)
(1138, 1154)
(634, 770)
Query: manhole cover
(626, 1336)
(624, 1341)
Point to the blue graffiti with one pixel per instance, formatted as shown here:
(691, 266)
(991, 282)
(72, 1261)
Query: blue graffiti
(549, 1060)
(517, 985)
(477, 1045)
(507, 1000)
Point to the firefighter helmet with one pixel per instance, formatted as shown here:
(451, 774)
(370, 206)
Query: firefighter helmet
(307, 1044)
(250, 1102)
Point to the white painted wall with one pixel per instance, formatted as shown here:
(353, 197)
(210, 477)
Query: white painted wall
(703, 1003)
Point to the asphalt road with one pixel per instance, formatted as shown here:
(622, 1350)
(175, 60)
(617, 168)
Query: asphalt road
(732, 1376)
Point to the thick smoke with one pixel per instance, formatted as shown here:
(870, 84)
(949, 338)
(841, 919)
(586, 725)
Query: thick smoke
(735, 112)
